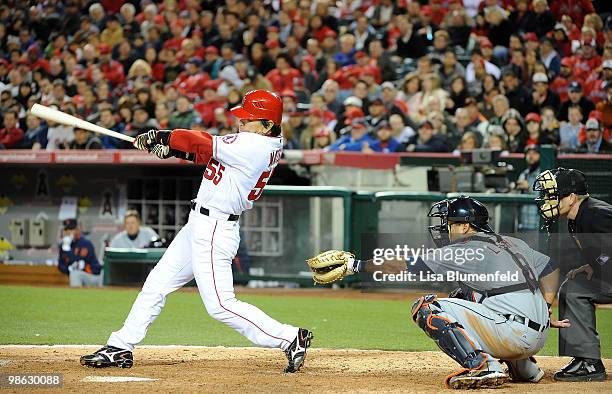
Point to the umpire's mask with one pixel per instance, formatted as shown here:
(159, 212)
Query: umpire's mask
(548, 201)
(555, 184)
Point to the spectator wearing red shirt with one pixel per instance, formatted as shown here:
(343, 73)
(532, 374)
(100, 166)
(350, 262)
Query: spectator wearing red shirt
(157, 67)
(572, 31)
(284, 76)
(35, 61)
(438, 11)
(605, 107)
(561, 40)
(390, 100)
(587, 61)
(190, 48)
(595, 86)
(560, 85)
(176, 29)
(209, 103)
(576, 9)
(318, 31)
(11, 134)
(112, 70)
(191, 81)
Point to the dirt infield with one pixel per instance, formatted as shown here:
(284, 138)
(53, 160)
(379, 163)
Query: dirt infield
(198, 369)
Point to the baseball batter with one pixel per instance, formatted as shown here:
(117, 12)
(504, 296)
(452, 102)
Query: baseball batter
(486, 320)
(238, 168)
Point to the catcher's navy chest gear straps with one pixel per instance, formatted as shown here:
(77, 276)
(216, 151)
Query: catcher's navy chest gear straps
(531, 282)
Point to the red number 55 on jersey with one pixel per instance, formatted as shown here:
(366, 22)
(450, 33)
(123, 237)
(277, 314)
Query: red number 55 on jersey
(214, 171)
(259, 186)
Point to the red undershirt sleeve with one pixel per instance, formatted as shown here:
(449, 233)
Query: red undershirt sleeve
(193, 141)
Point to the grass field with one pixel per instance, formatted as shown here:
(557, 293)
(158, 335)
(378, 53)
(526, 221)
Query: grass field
(36, 315)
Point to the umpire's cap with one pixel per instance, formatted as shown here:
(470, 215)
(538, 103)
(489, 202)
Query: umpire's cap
(561, 182)
(555, 184)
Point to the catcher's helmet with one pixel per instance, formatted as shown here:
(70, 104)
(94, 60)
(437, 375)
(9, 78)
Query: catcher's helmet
(260, 104)
(555, 184)
(462, 209)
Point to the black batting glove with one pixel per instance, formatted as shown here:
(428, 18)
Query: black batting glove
(147, 140)
(161, 151)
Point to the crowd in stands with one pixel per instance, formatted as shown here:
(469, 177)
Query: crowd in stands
(362, 75)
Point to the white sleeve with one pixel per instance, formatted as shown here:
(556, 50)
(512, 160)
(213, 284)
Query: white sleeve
(150, 232)
(238, 150)
(116, 242)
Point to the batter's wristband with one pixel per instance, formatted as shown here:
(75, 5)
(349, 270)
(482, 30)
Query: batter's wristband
(357, 265)
(163, 137)
(182, 155)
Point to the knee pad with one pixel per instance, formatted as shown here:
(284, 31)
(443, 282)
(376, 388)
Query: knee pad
(421, 309)
(450, 336)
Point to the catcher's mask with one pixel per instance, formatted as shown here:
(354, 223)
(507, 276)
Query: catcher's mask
(553, 185)
(457, 210)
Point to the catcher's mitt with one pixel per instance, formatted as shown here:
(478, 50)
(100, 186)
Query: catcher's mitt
(330, 266)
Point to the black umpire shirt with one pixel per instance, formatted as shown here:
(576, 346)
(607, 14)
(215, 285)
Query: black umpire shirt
(592, 232)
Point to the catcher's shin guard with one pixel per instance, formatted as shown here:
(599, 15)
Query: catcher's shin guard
(450, 336)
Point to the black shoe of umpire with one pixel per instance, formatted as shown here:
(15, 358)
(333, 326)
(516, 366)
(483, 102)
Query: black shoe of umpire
(296, 353)
(109, 356)
(582, 370)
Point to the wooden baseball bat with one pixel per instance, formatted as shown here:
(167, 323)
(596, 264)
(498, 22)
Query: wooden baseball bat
(60, 117)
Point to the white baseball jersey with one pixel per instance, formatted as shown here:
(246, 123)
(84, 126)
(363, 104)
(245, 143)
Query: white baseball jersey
(239, 169)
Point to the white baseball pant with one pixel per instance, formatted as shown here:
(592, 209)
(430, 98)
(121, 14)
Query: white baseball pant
(204, 249)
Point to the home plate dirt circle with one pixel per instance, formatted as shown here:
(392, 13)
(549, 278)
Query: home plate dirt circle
(233, 370)
(115, 379)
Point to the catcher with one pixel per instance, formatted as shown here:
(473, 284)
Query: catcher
(484, 322)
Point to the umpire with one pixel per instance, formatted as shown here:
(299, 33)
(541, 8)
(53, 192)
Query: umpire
(564, 192)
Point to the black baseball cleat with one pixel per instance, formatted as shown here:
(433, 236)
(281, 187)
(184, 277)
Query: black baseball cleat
(109, 356)
(296, 353)
(582, 370)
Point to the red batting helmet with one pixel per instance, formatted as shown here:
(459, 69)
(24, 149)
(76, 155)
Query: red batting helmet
(260, 105)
